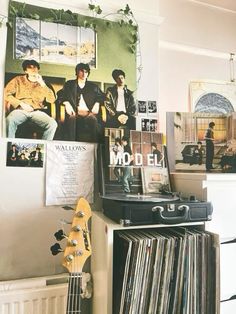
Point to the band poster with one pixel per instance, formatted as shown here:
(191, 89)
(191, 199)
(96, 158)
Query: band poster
(54, 88)
(69, 173)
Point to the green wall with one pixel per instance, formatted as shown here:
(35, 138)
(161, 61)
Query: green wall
(112, 52)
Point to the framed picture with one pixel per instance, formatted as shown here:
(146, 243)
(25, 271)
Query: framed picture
(155, 180)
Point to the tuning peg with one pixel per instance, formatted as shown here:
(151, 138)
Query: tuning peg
(59, 235)
(67, 207)
(80, 214)
(56, 249)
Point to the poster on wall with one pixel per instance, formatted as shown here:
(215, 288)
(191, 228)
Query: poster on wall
(126, 159)
(69, 172)
(213, 96)
(203, 142)
(54, 87)
(21, 154)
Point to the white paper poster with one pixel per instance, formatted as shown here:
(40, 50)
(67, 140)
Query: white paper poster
(69, 173)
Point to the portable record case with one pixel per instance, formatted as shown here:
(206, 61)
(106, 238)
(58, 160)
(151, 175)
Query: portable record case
(167, 211)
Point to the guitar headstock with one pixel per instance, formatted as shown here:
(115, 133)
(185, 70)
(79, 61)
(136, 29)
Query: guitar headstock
(78, 247)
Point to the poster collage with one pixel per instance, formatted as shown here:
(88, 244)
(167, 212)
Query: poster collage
(58, 119)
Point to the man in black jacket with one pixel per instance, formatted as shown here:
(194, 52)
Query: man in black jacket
(82, 100)
(120, 103)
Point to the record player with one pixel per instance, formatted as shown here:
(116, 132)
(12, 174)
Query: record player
(150, 199)
(141, 210)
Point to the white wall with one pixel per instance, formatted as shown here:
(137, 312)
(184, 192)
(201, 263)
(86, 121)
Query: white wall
(26, 225)
(195, 43)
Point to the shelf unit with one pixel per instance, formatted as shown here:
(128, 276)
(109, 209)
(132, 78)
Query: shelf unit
(102, 231)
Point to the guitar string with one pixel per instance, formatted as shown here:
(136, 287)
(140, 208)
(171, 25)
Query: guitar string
(68, 296)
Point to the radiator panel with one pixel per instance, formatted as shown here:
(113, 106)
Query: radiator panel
(44, 300)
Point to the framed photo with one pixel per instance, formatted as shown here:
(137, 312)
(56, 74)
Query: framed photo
(152, 108)
(142, 107)
(155, 180)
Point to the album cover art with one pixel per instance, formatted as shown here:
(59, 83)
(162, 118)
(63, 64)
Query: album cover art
(202, 142)
(133, 162)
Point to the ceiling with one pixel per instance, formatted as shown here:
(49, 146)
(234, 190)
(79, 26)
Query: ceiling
(225, 4)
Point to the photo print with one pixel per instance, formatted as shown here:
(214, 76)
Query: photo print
(155, 180)
(153, 125)
(202, 142)
(124, 154)
(152, 108)
(212, 96)
(145, 124)
(21, 154)
(142, 107)
(54, 42)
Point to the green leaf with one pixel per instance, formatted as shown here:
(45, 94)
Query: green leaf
(132, 48)
(9, 24)
(130, 22)
(120, 11)
(13, 10)
(135, 38)
(69, 12)
(98, 10)
(86, 24)
(34, 16)
(127, 10)
(93, 26)
(108, 24)
(91, 7)
(121, 22)
(49, 19)
(54, 13)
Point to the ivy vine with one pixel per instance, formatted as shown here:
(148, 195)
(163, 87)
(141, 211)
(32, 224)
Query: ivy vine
(124, 18)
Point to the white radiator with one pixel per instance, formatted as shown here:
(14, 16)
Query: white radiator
(45, 295)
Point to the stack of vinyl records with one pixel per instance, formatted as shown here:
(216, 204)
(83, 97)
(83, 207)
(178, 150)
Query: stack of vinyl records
(166, 271)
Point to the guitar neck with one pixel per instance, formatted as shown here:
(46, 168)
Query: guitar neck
(74, 294)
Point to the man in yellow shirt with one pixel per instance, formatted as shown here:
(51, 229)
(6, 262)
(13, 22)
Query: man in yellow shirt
(26, 95)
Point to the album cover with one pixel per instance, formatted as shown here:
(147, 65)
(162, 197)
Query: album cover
(201, 142)
(133, 162)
